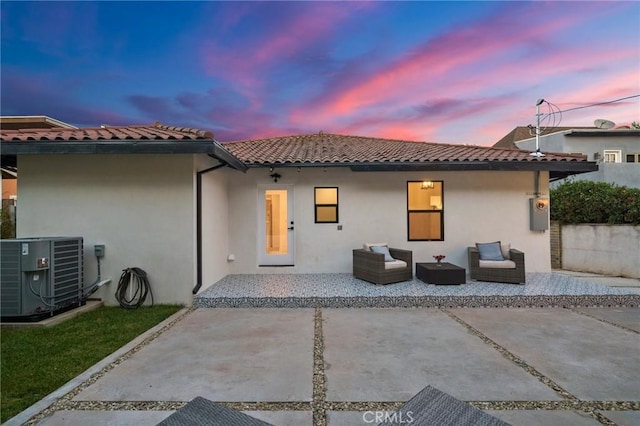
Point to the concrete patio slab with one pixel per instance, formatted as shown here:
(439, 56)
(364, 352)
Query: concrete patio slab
(544, 417)
(573, 350)
(283, 418)
(355, 418)
(513, 417)
(342, 418)
(390, 354)
(623, 418)
(152, 418)
(626, 317)
(99, 418)
(221, 355)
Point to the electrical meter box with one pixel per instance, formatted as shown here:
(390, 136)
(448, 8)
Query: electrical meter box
(539, 213)
(40, 277)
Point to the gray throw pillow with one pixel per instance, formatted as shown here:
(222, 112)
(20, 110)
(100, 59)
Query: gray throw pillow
(384, 250)
(490, 251)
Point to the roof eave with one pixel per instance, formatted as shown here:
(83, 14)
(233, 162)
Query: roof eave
(553, 166)
(203, 146)
(570, 167)
(605, 133)
(225, 156)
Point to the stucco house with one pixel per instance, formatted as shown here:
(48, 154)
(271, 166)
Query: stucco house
(616, 150)
(190, 210)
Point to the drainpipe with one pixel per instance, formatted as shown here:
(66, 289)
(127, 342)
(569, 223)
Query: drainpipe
(199, 223)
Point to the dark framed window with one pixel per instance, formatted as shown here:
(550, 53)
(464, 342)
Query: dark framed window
(326, 204)
(633, 158)
(425, 211)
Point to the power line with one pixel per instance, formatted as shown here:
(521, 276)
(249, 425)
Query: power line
(596, 104)
(553, 121)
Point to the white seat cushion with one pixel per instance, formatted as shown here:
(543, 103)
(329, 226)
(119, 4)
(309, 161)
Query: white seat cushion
(396, 264)
(498, 264)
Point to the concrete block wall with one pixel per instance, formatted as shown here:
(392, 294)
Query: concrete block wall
(602, 249)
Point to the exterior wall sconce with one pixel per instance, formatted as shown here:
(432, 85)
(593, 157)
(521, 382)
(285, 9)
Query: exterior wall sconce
(275, 177)
(426, 185)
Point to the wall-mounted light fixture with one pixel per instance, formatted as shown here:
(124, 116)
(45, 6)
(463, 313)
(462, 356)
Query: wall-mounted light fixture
(298, 169)
(427, 184)
(275, 177)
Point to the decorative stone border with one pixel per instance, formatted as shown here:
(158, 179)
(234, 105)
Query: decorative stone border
(536, 301)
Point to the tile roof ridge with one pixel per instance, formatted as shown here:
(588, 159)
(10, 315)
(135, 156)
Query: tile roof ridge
(322, 133)
(192, 130)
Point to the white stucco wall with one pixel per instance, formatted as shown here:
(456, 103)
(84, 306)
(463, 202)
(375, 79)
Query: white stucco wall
(479, 207)
(215, 219)
(141, 207)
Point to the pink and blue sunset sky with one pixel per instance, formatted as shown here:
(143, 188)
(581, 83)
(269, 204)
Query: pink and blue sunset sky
(452, 72)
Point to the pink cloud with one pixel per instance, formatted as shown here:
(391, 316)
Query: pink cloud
(493, 53)
(407, 78)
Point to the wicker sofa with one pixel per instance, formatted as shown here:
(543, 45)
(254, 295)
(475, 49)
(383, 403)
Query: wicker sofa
(499, 275)
(370, 266)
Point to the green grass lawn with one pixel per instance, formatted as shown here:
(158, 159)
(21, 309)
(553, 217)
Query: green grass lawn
(35, 362)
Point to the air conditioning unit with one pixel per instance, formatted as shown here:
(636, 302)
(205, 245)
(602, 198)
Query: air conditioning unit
(40, 277)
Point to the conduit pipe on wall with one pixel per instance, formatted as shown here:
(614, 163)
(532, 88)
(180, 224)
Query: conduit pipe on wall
(199, 223)
(536, 183)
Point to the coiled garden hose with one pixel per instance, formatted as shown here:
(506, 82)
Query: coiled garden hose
(137, 279)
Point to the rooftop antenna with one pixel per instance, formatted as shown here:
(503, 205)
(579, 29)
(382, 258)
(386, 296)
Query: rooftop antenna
(538, 153)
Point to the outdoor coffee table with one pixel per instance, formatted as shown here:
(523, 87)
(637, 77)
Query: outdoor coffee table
(443, 273)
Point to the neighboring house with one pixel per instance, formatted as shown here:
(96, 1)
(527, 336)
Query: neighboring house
(521, 133)
(190, 210)
(9, 172)
(17, 122)
(615, 150)
(8, 184)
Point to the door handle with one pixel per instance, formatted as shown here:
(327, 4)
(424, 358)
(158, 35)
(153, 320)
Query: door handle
(290, 228)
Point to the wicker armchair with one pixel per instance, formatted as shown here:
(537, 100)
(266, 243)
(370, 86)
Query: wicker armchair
(370, 266)
(497, 275)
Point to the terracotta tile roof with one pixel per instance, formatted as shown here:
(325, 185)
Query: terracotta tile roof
(156, 131)
(325, 148)
(525, 132)
(153, 139)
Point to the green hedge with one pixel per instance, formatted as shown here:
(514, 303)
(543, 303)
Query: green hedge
(584, 201)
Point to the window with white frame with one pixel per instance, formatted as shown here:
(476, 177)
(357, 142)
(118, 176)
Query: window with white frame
(612, 156)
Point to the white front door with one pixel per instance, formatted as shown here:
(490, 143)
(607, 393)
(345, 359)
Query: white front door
(275, 225)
